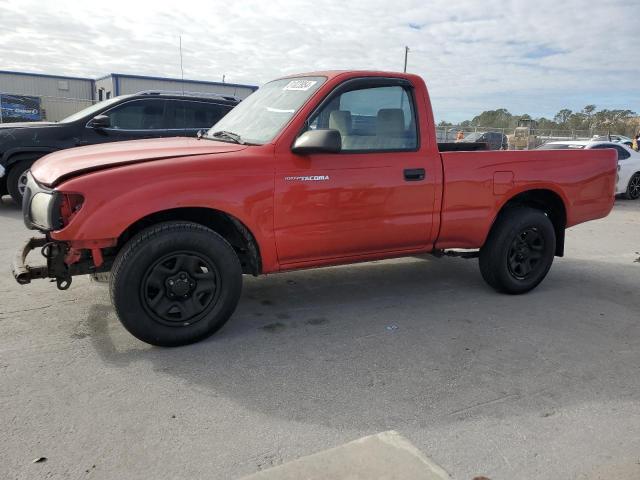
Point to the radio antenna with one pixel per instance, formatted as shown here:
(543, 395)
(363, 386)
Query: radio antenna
(181, 69)
(184, 110)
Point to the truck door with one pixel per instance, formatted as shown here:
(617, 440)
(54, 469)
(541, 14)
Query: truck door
(375, 196)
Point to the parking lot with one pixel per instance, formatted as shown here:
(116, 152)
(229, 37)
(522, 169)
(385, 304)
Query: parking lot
(545, 385)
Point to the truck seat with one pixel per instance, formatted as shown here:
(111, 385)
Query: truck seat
(389, 128)
(341, 120)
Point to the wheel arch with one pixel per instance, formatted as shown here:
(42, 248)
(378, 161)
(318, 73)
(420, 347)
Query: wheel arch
(229, 227)
(549, 202)
(15, 155)
(631, 177)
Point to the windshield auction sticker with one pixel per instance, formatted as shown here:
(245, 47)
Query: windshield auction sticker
(300, 85)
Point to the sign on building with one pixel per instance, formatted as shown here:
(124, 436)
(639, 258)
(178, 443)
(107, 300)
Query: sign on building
(19, 108)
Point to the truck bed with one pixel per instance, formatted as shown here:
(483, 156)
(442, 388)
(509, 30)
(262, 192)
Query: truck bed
(477, 184)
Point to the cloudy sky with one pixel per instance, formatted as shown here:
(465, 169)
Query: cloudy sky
(527, 56)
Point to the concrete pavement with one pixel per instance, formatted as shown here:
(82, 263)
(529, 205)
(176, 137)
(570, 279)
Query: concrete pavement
(545, 385)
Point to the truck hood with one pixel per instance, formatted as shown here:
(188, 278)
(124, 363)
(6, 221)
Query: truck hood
(51, 169)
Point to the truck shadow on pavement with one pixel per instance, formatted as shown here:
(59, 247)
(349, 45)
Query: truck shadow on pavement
(411, 342)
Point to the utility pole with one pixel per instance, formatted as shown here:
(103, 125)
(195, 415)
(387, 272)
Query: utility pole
(406, 53)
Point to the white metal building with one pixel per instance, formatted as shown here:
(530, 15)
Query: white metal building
(60, 96)
(116, 84)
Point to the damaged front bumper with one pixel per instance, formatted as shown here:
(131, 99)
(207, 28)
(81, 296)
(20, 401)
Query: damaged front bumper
(24, 273)
(63, 260)
(55, 268)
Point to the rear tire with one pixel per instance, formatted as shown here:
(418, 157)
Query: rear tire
(633, 189)
(175, 283)
(17, 180)
(519, 250)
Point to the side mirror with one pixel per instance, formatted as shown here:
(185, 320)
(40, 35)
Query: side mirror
(100, 121)
(318, 141)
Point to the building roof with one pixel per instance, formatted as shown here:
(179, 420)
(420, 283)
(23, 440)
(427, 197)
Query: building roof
(186, 80)
(32, 74)
(125, 75)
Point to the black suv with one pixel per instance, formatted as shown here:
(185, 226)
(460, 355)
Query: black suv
(127, 117)
(495, 140)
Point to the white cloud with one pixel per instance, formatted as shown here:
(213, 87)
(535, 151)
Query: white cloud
(534, 57)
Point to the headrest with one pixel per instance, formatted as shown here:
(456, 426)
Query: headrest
(340, 120)
(390, 122)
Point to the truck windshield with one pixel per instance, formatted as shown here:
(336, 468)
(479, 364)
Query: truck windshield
(259, 118)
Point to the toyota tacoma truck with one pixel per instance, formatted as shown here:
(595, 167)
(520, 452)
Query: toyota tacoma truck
(311, 170)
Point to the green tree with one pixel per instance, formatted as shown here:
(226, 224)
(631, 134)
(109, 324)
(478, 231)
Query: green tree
(500, 118)
(547, 124)
(588, 112)
(562, 117)
(612, 120)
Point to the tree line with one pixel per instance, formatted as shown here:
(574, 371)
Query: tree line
(623, 122)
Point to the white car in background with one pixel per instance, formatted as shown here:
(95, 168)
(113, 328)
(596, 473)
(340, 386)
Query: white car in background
(613, 138)
(628, 163)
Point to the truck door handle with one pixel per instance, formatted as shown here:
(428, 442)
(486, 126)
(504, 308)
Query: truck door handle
(414, 174)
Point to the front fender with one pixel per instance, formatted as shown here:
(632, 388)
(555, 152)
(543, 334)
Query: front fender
(116, 198)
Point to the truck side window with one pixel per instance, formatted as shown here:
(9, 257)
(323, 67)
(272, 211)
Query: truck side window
(371, 119)
(138, 115)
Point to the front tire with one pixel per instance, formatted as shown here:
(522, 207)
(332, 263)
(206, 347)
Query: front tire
(175, 283)
(519, 250)
(633, 189)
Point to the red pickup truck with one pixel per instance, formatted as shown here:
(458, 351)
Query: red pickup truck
(311, 170)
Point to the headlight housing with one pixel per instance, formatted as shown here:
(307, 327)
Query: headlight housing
(40, 210)
(47, 209)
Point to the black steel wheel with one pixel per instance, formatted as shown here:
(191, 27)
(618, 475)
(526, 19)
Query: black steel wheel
(519, 250)
(175, 283)
(180, 288)
(525, 253)
(633, 189)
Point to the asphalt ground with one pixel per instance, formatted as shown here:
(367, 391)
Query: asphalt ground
(540, 386)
